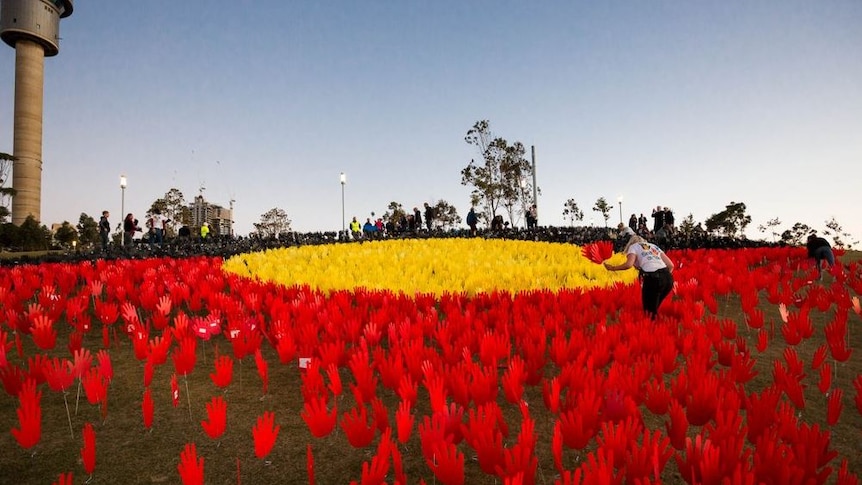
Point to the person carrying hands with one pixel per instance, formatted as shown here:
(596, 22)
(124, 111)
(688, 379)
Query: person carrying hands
(656, 270)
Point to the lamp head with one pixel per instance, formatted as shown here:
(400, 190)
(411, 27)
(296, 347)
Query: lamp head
(123, 181)
(343, 178)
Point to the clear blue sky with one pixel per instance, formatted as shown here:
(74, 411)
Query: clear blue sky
(689, 105)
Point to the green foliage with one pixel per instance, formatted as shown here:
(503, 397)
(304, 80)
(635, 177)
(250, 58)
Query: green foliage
(445, 215)
(88, 230)
(770, 224)
(33, 237)
(272, 223)
(730, 222)
(395, 212)
(838, 234)
(65, 234)
(173, 206)
(503, 179)
(603, 207)
(572, 212)
(687, 225)
(795, 235)
(8, 236)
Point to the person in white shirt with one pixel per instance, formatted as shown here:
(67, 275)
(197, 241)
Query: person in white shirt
(156, 224)
(656, 270)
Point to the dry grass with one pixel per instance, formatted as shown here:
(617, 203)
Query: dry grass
(128, 453)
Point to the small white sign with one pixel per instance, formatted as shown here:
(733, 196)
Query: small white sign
(303, 362)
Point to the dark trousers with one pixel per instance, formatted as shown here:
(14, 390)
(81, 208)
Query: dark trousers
(655, 288)
(823, 253)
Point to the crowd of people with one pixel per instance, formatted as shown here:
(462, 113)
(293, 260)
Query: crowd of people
(410, 223)
(644, 248)
(185, 244)
(663, 224)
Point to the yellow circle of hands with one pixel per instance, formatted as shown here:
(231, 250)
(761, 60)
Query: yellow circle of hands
(434, 266)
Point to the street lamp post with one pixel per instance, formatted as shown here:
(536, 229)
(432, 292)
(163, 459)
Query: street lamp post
(123, 183)
(620, 202)
(343, 179)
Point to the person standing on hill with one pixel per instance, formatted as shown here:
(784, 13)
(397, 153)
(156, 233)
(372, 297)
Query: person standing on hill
(156, 225)
(658, 219)
(417, 219)
(130, 227)
(104, 229)
(820, 250)
(532, 217)
(656, 270)
(669, 221)
(355, 229)
(472, 219)
(642, 228)
(429, 216)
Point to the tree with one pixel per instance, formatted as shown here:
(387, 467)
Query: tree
(395, 212)
(272, 223)
(66, 233)
(6, 193)
(572, 212)
(8, 236)
(731, 222)
(173, 206)
(445, 215)
(837, 232)
(32, 236)
(503, 179)
(88, 230)
(603, 207)
(795, 235)
(769, 225)
(687, 225)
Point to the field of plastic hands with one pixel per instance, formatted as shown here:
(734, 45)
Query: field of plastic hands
(574, 385)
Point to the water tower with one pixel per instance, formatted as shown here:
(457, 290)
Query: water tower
(32, 27)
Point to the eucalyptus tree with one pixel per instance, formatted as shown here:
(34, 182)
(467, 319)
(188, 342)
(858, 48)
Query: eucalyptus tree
(602, 207)
(445, 215)
(88, 229)
(503, 179)
(730, 222)
(395, 213)
(572, 212)
(174, 207)
(272, 223)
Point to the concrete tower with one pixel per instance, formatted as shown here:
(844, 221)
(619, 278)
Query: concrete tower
(32, 27)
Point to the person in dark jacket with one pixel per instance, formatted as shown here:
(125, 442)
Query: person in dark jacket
(417, 219)
(130, 227)
(819, 249)
(104, 229)
(429, 216)
(472, 219)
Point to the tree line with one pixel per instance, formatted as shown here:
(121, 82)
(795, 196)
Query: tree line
(501, 181)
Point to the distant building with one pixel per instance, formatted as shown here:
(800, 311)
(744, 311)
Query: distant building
(219, 218)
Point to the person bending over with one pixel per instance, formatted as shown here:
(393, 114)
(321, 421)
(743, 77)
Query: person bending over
(656, 270)
(820, 250)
